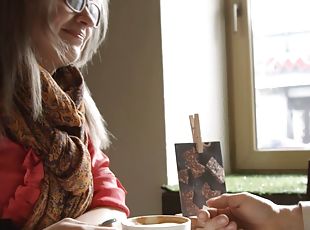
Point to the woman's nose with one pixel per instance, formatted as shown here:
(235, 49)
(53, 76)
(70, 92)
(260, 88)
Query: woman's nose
(86, 18)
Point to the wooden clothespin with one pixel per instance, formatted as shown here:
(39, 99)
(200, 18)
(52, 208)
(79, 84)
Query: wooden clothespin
(195, 125)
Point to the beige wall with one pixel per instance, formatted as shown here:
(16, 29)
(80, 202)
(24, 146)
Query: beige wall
(127, 86)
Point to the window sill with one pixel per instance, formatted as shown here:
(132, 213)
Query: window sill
(265, 184)
(280, 188)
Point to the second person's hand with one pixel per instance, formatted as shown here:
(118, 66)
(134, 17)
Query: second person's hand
(209, 220)
(252, 212)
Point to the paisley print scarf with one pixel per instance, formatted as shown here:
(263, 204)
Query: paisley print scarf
(59, 139)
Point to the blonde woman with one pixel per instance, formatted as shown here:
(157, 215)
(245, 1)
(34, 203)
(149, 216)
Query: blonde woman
(52, 171)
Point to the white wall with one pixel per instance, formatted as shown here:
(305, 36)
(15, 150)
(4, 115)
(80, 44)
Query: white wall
(193, 41)
(127, 85)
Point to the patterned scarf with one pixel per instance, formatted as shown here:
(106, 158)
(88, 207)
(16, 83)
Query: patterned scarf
(60, 141)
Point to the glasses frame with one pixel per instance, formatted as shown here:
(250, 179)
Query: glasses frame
(86, 3)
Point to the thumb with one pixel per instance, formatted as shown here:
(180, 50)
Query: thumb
(225, 201)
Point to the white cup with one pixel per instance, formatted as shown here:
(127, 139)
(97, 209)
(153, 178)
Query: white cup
(157, 222)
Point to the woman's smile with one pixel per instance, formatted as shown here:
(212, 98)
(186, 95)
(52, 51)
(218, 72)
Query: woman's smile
(75, 37)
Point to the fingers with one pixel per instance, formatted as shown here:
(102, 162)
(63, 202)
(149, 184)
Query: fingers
(219, 201)
(72, 224)
(76, 224)
(231, 226)
(204, 221)
(218, 222)
(227, 200)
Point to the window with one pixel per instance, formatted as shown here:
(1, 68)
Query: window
(269, 83)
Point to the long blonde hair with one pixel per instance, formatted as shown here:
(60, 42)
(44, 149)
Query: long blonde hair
(18, 61)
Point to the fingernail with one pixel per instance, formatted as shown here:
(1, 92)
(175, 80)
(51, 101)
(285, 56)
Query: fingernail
(201, 215)
(221, 220)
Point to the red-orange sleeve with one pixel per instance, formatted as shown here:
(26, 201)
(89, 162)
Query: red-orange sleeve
(108, 190)
(20, 174)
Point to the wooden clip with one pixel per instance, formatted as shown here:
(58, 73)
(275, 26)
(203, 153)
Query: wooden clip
(195, 125)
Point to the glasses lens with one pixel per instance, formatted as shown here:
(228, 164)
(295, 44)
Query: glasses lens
(76, 5)
(94, 12)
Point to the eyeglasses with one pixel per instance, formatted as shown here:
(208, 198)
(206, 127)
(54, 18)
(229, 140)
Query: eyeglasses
(79, 5)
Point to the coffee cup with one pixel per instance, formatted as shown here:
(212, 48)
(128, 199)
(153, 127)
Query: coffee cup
(157, 222)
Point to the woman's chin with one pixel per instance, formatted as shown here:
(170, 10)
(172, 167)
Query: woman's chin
(72, 56)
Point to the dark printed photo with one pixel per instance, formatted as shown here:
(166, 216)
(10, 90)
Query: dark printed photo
(201, 175)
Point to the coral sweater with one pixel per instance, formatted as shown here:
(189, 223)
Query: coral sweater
(21, 172)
